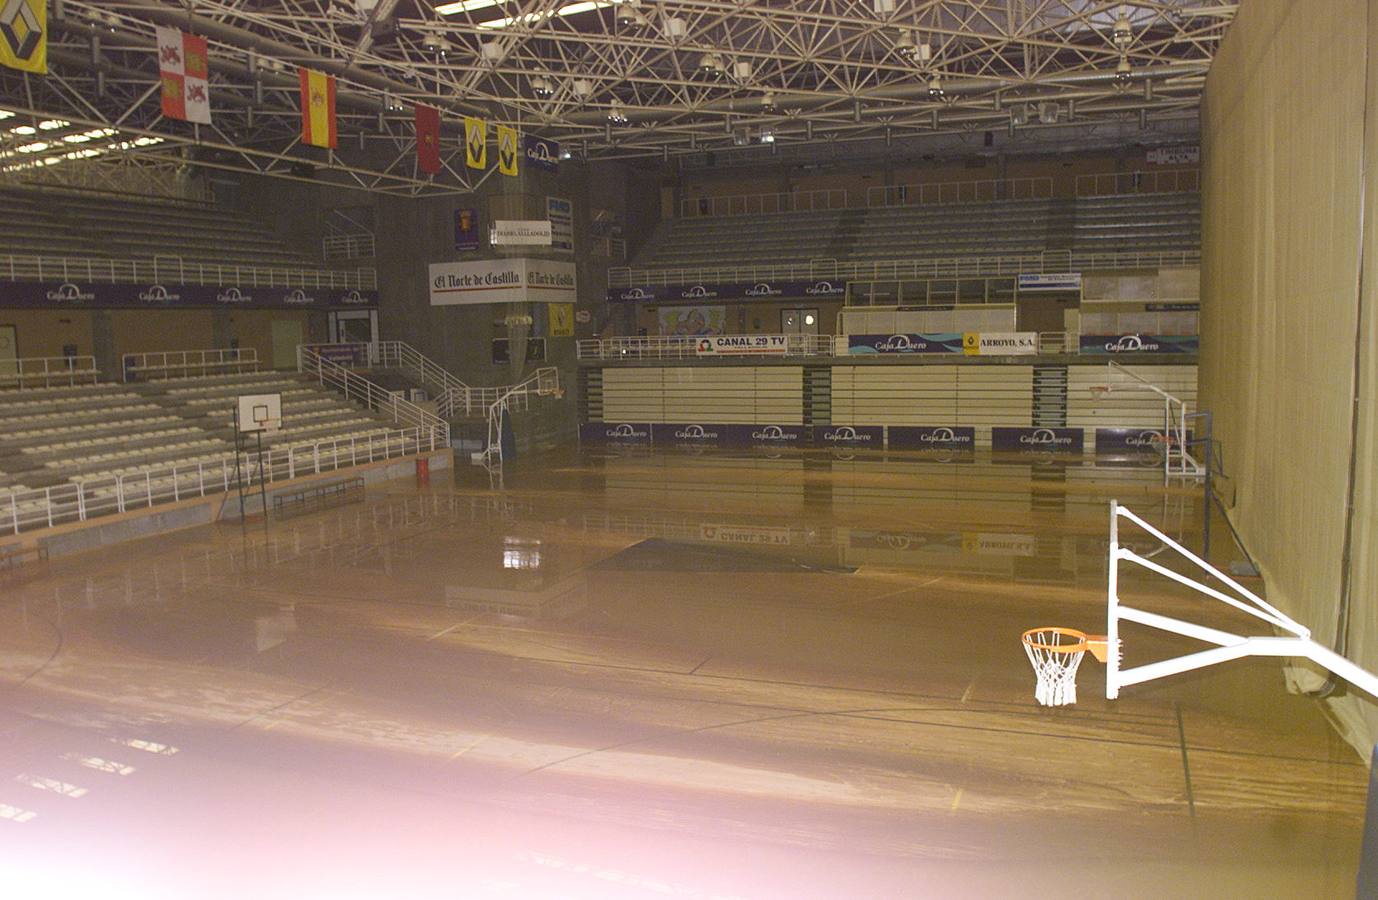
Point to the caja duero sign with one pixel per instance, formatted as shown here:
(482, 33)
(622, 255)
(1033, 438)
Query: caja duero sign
(169, 295)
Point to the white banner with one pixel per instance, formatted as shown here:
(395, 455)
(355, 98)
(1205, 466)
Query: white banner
(534, 232)
(560, 212)
(517, 280)
(1059, 281)
(742, 345)
(1175, 156)
(1000, 343)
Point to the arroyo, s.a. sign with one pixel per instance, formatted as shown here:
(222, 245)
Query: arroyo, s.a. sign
(1037, 440)
(861, 344)
(1140, 343)
(1050, 281)
(742, 345)
(990, 343)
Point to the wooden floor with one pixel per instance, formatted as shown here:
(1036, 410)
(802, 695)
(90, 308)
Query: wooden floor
(645, 675)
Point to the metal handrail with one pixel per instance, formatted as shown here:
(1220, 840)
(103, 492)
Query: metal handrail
(760, 204)
(79, 501)
(675, 347)
(356, 387)
(979, 191)
(172, 363)
(26, 371)
(1140, 181)
(906, 269)
(447, 388)
(347, 246)
(544, 381)
(17, 267)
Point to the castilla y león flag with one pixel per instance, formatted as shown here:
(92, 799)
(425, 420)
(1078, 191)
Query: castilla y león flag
(427, 139)
(184, 68)
(317, 108)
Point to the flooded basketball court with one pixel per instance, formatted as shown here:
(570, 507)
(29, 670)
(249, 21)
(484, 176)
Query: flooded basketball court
(627, 674)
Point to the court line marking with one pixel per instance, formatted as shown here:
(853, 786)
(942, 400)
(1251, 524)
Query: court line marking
(956, 800)
(478, 740)
(460, 624)
(1186, 766)
(967, 693)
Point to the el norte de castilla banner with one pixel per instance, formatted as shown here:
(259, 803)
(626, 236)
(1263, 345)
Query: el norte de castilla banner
(510, 280)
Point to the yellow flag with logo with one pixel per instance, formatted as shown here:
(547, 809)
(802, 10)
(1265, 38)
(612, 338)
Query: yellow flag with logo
(507, 150)
(562, 320)
(24, 35)
(475, 143)
(971, 343)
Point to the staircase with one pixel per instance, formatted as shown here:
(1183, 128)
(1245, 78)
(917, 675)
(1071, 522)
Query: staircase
(1049, 397)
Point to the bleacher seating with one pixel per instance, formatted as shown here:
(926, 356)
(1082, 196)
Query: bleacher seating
(1148, 223)
(62, 435)
(52, 222)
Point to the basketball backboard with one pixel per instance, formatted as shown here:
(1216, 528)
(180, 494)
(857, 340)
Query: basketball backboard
(259, 412)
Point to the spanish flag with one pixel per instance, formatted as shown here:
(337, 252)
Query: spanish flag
(317, 108)
(24, 35)
(507, 150)
(475, 143)
(427, 139)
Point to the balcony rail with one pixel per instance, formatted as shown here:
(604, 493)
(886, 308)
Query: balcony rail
(176, 270)
(759, 204)
(1149, 181)
(341, 247)
(904, 269)
(79, 501)
(48, 371)
(178, 363)
(983, 191)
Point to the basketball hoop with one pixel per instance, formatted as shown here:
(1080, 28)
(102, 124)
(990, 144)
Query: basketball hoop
(1055, 654)
(1098, 391)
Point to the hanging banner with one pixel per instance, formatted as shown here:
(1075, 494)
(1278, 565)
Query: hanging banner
(516, 280)
(560, 212)
(561, 319)
(542, 154)
(742, 345)
(466, 229)
(475, 143)
(1064, 281)
(507, 150)
(862, 344)
(427, 120)
(1139, 343)
(1187, 155)
(24, 35)
(184, 70)
(317, 108)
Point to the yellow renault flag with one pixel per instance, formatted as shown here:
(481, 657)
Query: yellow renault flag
(507, 150)
(475, 143)
(24, 35)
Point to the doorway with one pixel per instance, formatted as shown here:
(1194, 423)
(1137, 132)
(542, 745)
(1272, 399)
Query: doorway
(355, 326)
(9, 351)
(287, 335)
(799, 321)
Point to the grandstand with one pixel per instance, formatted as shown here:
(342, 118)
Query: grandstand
(1133, 223)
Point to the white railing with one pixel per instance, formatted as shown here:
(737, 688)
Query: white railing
(1150, 181)
(759, 204)
(663, 347)
(338, 247)
(48, 371)
(80, 501)
(903, 269)
(452, 395)
(359, 389)
(544, 381)
(1052, 342)
(982, 191)
(174, 363)
(175, 270)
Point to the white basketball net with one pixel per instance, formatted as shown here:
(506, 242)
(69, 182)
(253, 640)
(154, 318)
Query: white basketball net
(1056, 668)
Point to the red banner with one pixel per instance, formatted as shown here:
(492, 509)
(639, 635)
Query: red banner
(428, 139)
